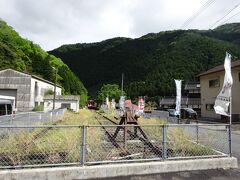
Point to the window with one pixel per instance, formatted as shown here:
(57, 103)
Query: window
(209, 107)
(214, 83)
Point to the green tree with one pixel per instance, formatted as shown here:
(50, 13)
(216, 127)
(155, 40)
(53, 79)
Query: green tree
(109, 90)
(23, 55)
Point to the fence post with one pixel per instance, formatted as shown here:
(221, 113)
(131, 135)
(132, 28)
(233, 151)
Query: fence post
(29, 119)
(197, 131)
(230, 139)
(83, 144)
(164, 152)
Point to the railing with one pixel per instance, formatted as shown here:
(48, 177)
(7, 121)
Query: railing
(32, 118)
(58, 145)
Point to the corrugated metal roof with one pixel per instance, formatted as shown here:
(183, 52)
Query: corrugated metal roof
(219, 68)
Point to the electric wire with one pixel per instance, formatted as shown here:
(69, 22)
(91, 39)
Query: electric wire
(230, 18)
(225, 15)
(201, 9)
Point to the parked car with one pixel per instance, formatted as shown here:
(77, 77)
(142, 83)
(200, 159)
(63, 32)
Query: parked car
(172, 112)
(186, 113)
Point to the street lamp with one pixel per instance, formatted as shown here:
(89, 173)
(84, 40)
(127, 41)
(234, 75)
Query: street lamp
(55, 84)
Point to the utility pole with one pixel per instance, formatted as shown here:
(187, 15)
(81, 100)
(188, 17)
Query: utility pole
(55, 84)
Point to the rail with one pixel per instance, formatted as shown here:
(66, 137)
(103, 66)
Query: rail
(60, 145)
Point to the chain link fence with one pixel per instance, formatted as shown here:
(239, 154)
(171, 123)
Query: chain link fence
(30, 146)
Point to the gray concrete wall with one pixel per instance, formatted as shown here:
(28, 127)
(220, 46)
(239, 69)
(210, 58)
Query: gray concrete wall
(19, 82)
(104, 171)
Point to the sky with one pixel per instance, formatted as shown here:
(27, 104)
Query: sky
(52, 23)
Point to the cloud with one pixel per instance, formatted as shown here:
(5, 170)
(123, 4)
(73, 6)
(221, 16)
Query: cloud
(52, 23)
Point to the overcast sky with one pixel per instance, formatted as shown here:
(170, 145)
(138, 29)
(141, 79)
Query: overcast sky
(52, 23)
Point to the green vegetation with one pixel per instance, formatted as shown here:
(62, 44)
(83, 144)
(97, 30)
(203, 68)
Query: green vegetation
(23, 55)
(229, 28)
(38, 108)
(150, 63)
(62, 144)
(54, 145)
(109, 90)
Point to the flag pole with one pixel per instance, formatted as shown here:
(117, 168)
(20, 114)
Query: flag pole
(230, 124)
(230, 113)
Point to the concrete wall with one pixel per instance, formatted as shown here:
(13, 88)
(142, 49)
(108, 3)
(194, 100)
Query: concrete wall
(22, 87)
(209, 94)
(119, 170)
(48, 104)
(19, 82)
(38, 89)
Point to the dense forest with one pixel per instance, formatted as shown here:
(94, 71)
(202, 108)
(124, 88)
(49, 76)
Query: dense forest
(23, 55)
(151, 62)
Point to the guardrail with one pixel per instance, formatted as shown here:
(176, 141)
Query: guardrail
(34, 146)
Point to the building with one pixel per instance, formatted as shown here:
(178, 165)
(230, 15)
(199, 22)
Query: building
(211, 83)
(190, 98)
(28, 90)
(69, 102)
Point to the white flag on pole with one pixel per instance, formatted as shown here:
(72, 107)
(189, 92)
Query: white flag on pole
(178, 97)
(222, 101)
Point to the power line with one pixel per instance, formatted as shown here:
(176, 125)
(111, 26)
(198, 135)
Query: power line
(225, 15)
(230, 18)
(202, 8)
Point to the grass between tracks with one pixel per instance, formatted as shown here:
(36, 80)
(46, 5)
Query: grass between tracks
(54, 144)
(59, 145)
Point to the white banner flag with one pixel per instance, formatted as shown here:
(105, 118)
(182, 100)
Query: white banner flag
(223, 99)
(178, 97)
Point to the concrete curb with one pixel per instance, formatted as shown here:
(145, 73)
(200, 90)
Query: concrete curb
(114, 170)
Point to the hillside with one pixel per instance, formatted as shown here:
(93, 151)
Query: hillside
(229, 28)
(23, 55)
(149, 63)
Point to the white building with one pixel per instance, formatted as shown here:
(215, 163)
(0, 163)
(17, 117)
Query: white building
(28, 90)
(69, 102)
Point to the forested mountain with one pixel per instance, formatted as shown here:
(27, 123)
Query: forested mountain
(151, 62)
(23, 55)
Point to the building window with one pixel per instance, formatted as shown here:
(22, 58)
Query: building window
(209, 107)
(214, 83)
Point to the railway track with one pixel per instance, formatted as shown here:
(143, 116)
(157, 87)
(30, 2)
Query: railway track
(111, 138)
(144, 138)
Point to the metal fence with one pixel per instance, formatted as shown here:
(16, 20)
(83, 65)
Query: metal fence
(32, 118)
(84, 145)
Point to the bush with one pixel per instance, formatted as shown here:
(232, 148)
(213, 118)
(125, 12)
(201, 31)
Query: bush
(38, 108)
